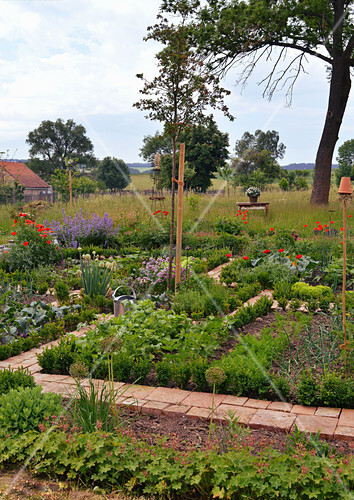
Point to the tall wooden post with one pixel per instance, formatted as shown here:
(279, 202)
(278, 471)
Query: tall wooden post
(70, 189)
(345, 192)
(179, 215)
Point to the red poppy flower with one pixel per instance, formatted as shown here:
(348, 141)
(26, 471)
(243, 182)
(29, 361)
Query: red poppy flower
(341, 243)
(245, 222)
(266, 251)
(332, 221)
(320, 227)
(165, 213)
(245, 258)
(326, 230)
(13, 233)
(25, 243)
(272, 229)
(281, 250)
(137, 229)
(228, 255)
(305, 225)
(349, 215)
(49, 242)
(5, 251)
(317, 221)
(326, 225)
(57, 248)
(342, 229)
(299, 256)
(244, 218)
(47, 228)
(15, 221)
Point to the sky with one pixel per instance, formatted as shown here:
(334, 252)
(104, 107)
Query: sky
(78, 59)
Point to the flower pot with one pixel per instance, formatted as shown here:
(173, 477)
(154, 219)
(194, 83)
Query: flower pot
(253, 199)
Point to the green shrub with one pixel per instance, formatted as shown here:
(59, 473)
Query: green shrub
(307, 292)
(336, 390)
(164, 371)
(198, 368)
(230, 226)
(181, 373)
(13, 379)
(308, 390)
(59, 358)
(61, 291)
(22, 410)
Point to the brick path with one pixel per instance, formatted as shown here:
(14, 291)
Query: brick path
(277, 416)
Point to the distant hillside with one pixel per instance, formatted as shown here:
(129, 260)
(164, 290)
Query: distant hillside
(139, 168)
(302, 166)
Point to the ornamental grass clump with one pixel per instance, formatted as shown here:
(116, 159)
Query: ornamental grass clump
(95, 275)
(83, 231)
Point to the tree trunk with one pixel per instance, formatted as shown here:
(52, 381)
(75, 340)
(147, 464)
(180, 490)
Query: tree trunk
(172, 226)
(338, 98)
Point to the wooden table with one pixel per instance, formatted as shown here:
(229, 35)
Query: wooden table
(256, 205)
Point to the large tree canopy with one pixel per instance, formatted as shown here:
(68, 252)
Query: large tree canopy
(261, 141)
(229, 32)
(114, 173)
(206, 153)
(57, 141)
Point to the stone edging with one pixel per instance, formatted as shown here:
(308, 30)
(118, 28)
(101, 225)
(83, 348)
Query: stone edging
(332, 423)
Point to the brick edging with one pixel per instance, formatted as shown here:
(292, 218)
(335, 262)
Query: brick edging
(332, 423)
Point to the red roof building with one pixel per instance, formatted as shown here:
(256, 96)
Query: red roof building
(35, 187)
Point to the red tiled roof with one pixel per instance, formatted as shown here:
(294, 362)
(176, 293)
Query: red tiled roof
(24, 175)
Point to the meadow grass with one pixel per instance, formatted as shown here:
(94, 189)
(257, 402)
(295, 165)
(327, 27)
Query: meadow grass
(288, 210)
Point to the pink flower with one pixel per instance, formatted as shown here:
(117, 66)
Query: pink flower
(245, 258)
(281, 250)
(266, 251)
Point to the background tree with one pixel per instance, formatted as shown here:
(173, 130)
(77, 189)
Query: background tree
(206, 152)
(55, 141)
(114, 173)
(345, 161)
(180, 94)
(228, 32)
(227, 173)
(261, 141)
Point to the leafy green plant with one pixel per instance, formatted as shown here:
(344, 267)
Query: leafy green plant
(61, 291)
(13, 379)
(59, 358)
(336, 390)
(308, 389)
(23, 409)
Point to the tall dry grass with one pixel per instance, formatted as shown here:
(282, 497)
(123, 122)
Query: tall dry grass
(288, 210)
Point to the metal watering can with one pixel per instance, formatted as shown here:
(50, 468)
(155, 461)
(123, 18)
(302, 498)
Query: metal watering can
(118, 299)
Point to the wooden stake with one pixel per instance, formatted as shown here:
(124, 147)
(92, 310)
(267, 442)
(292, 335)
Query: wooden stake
(70, 189)
(179, 215)
(344, 346)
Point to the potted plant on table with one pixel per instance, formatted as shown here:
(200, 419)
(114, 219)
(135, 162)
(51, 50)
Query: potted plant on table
(253, 193)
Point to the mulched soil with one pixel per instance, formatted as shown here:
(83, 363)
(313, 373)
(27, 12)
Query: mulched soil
(185, 433)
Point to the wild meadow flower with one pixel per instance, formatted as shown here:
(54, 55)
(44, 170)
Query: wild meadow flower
(245, 257)
(281, 250)
(266, 251)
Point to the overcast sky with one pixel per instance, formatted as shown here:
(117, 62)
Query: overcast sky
(77, 59)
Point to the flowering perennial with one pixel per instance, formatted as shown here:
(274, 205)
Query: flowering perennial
(80, 230)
